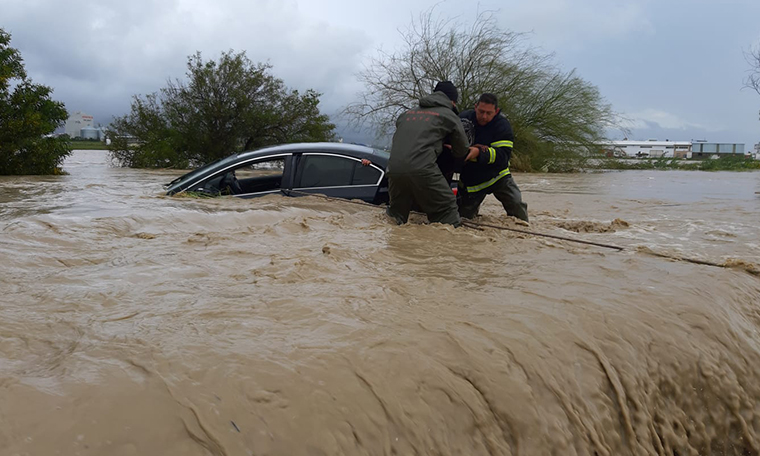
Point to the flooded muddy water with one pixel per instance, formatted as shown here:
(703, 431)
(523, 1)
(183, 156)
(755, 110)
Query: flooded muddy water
(138, 324)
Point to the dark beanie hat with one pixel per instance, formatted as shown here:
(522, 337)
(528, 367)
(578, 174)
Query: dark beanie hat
(448, 88)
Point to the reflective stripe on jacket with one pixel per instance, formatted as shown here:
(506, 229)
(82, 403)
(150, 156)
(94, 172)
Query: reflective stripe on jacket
(492, 166)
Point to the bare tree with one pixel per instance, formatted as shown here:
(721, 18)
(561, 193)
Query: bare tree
(753, 79)
(753, 58)
(434, 49)
(549, 109)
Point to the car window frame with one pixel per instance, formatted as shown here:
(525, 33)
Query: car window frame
(287, 174)
(300, 159)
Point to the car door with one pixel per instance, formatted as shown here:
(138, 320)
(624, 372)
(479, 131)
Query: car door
(336, 175)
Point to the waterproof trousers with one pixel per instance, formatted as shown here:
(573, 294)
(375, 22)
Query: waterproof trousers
(505, 190)
(430, 192)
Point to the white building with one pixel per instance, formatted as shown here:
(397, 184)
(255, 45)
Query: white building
(671, 149)
(76, 122)
(651, 148)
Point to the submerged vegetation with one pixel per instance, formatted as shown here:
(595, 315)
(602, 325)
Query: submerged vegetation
(88, 144)
(735, 163)
(559, 162)
(728, 163)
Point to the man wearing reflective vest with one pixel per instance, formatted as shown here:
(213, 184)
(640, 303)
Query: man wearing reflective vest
(489, 172)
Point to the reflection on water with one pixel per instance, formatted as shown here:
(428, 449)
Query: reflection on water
(134, 323)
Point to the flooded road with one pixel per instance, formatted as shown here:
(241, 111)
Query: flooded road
(137, 324)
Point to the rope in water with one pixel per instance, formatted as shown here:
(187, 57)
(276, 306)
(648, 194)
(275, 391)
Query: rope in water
(479, 226)
(470, 224)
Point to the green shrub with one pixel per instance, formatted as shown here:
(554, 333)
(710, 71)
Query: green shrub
(27, 117)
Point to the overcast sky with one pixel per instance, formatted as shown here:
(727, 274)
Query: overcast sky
(675, 68)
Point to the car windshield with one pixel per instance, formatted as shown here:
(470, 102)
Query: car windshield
(192, 174)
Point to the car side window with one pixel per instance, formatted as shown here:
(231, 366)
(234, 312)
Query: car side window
(324, 171)
(365, 175)
(263, 175)
(262, 168)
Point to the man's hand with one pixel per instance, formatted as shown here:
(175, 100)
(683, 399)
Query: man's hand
(481, 150)
(365, 162)
(473, 155)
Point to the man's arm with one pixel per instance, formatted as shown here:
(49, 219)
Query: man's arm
(501, 149)
(460, 146)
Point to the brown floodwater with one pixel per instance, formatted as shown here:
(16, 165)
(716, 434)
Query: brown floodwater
(137, 324)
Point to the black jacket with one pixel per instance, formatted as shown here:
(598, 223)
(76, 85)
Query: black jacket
(420, 133)
(494, 164)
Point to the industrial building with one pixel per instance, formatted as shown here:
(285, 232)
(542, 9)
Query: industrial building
(703, 149)
(92, 133)
(651, 148)
(76, 122)
(671, 149)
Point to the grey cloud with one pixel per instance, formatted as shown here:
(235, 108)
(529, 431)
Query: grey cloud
(642, 54)
(97, 56)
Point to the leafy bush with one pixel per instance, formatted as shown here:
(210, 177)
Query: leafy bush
(224, 107)
(27, 116)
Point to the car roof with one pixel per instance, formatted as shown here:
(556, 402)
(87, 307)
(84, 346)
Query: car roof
(359, 151)
(354, 150)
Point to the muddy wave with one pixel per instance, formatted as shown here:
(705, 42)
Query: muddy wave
(301, 326)
(584, 226)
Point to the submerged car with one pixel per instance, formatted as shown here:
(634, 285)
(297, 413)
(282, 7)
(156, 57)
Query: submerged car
(331, 169)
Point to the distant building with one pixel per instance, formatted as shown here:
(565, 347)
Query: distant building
(76, 122)
(757, 151)
(702, 149)
(92, 133)
(653, 148)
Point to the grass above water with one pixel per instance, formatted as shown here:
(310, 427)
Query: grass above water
(730, 163)
(88, 145)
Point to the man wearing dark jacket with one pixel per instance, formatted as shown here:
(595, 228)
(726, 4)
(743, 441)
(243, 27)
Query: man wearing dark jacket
(413, 175)
(489, 171)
